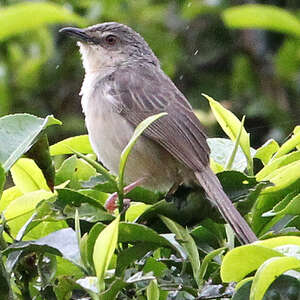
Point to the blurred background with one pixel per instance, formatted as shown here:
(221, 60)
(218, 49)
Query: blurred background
(247, 57)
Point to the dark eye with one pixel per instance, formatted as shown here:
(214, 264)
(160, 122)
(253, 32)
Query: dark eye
(111, 40)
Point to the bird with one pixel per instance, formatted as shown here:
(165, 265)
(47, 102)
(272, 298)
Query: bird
(123, 85)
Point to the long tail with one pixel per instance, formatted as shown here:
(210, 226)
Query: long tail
(214, 190)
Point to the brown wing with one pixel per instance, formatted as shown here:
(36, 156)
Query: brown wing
(143, 91)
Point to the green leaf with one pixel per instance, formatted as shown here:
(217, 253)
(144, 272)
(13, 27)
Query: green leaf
(137, 132)
(266, 151)
(27, 176)
(283, 177)
(131, 232)
(277, 163)
(91, 240)
(104, 249)
(152, 291)
(25, 204)
(289, 145)
(231, 126)
(251, 256)
(22, 17)
(186, 240)
(261, 17)
(80, 143)
(39, 152)
(279, 241)
(62, 242)
(2, 180)
(131, 254)
(135, 210)
(9, 195)
(268, 272)
(18, 132)
(207, 259)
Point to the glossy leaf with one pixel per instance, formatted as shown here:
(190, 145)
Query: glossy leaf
(266, 151)
(277, 163)
(137, 133)
(289, 145)
(80, 143)
(25, 204)
(27, 176)
(186, 240)
(2, 180)
(152, 291)
(23, 17)
(62, 242)
(18, 132)
(131, 232)
(262, 17)
(252, 257)
(104, 248)
(231, 126)
(268, 272)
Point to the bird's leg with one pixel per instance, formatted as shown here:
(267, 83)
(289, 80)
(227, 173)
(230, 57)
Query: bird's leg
(178, 194)
(110, 203)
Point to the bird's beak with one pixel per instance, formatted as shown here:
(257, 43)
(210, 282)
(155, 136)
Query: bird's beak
(77, 33)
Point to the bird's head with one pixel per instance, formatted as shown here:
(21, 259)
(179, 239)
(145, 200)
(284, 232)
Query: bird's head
(110, 45)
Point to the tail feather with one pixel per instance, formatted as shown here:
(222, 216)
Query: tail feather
(214, 190)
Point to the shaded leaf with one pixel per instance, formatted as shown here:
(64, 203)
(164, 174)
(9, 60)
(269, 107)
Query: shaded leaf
(18, 132)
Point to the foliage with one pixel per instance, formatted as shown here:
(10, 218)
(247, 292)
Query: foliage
(62, 243)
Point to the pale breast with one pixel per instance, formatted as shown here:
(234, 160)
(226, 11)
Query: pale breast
(109, 133)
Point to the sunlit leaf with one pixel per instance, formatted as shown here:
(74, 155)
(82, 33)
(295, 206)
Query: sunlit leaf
(137, 132)
(289, 145)
(152, 291)
(27, 176)
(268, 272)
(104, 249)
(266, 151)
(2, 180)
(80, 143)
(231, 126)
(25, 204)
(262, 17)
(251, 256)
(22, 17)
(277, 163)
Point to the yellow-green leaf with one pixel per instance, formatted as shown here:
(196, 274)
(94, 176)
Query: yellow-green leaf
(137, 133)
(25, 204)
(252, 257)
(268, 272)
(104, 248)
(25, 16)
(153, 290)
(262, 17)
(27, 176)
(79, 143)
(232, 126)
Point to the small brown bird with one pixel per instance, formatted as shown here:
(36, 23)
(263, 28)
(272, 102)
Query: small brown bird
(123, 85)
